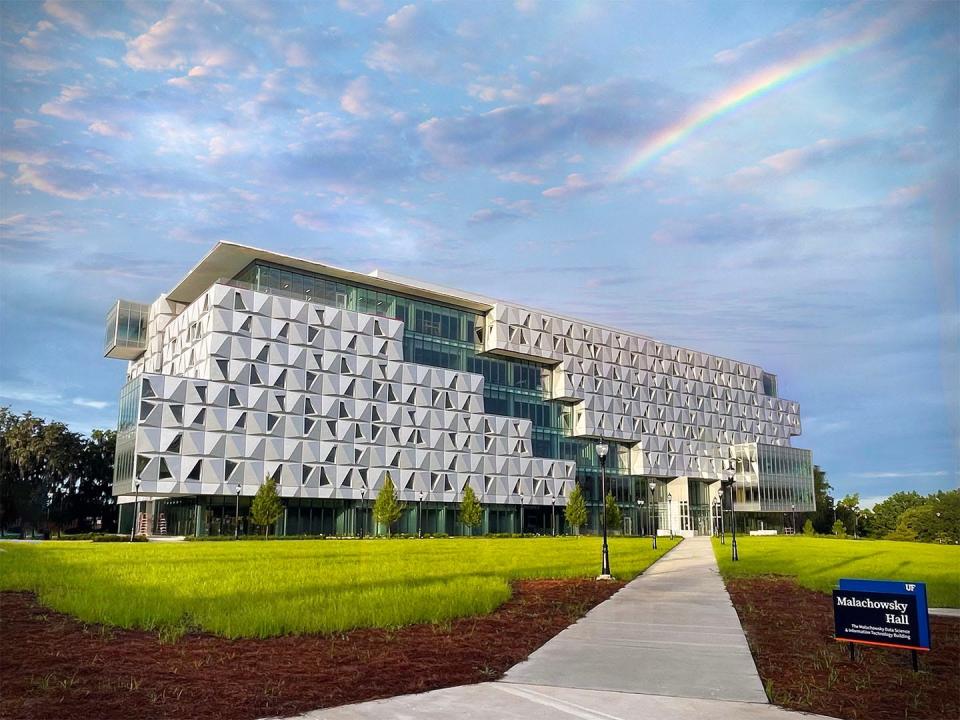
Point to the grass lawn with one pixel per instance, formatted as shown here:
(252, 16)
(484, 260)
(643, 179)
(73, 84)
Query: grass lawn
(260, 589)
(818, 563)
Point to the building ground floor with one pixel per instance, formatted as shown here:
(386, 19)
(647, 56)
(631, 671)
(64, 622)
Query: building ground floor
(227, 515)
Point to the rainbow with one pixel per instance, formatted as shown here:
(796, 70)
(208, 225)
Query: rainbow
(755, 86)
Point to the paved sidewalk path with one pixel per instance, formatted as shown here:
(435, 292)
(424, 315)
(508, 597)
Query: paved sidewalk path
(672, 631)
(668, 645)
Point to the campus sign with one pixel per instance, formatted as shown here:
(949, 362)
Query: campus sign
(882, 612)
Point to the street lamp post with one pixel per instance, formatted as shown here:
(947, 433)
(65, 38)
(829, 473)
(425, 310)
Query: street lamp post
(723, 538)
(654, 512)
(420, 515)
(363, 520)
(728, 486)
(605, 554)
(236, 514)
(640, 515)
(793, 518)
(553, 515)
(670, 513)
(521, 512)
(136, 508)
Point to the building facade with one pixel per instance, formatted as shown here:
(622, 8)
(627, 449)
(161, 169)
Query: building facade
(258, 365)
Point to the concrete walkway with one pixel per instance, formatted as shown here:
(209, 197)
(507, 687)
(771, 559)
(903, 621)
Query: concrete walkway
(668, 645)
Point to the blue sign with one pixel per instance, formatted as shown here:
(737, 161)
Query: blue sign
(882, 612)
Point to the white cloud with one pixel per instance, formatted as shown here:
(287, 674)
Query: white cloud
(574, 184)
(24, 124)
(357, 99)
(93, 404)
(297, 55)
(522, 178)
(69, 14)
(101, 127)
(894, 474)
(361, 7)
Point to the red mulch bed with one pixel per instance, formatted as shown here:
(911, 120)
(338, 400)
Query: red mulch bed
(53, 666)
(790, 631)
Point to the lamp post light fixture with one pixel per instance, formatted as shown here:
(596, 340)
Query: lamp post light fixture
(670, 513)
(605, 553)
(236, 513)
(136, 509)
(793, 518)
(654, 512)
(640, 515)
(420, 515)
(728, 486)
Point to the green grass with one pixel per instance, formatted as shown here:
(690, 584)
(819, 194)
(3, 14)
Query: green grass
(277, 588)
(818, 563)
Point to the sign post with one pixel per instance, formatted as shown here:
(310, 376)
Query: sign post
(882, 613)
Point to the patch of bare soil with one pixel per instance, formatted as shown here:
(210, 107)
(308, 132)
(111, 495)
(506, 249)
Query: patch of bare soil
(53, 666)
(790, 631)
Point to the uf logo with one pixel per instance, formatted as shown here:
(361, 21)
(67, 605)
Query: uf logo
(910, 587)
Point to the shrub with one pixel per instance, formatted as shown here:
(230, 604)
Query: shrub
(118, 538)
(808, 527)
(839, 529)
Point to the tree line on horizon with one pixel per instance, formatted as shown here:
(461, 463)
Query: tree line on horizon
(906, 515)
(54, 480)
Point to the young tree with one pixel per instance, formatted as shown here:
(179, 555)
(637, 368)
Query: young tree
(839, 530)
(808, 528)
(471, 511)
(266, 508)
(386, 509)
(612, 510)
(576, 512)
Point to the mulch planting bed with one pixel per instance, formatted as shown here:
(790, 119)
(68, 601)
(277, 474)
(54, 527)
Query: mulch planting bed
(790, 631)
(52, 666)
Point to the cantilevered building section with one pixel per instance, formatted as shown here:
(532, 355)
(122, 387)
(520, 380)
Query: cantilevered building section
(258, 365)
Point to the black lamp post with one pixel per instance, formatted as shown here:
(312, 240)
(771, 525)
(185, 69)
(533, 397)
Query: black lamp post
(723, 537)
(793, 519)
(136, 508)
(236, 515)
(553, 515)
(728, 486)
(640, 515)
(420, 515)
(521, 512)
(670, 513)
(654, 512)
(363, 519)
(605, 553)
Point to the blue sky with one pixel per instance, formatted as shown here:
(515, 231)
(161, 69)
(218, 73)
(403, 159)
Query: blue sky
(812, 229)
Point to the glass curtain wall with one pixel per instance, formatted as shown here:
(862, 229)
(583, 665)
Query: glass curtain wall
(123, 466)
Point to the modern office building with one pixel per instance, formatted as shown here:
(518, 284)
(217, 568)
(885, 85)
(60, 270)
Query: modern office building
(258, 365)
